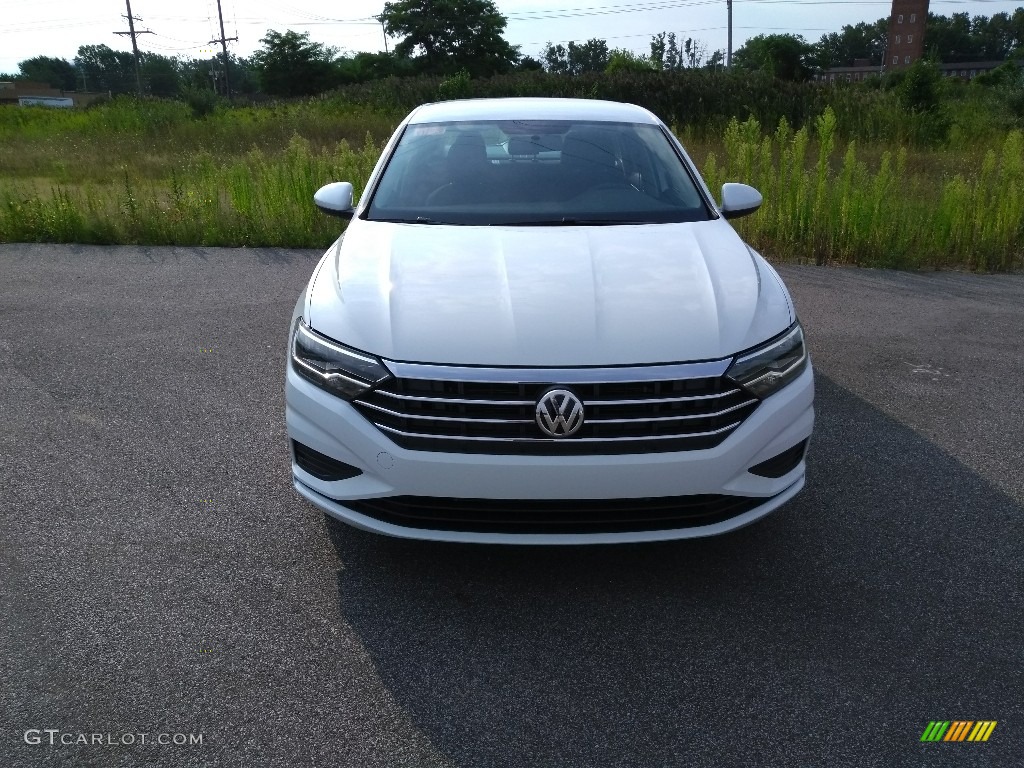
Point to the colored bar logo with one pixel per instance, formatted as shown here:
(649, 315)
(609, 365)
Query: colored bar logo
(958, 730)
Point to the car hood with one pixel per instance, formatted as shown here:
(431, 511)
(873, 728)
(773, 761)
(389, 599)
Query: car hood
(547, 296)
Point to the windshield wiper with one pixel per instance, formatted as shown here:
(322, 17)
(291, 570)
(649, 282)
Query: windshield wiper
(568, 221)
(417, 220)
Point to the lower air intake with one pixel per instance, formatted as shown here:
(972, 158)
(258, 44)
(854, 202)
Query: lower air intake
(554, 516)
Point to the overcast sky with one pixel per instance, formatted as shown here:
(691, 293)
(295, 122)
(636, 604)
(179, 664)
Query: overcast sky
(184, 27)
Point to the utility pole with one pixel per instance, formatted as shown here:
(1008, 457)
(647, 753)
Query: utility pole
(224, 46)
(385, 31)
(135, 48)
(728, 58)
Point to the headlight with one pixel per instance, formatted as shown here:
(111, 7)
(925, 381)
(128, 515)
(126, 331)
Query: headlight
(339, 370)
(768, 368)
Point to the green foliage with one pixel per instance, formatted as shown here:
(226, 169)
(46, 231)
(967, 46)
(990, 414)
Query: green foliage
(160, 75)
(206, 190)
(621, 60)
(374, 66)
(290, 64)
(1007, 75)
(202, 101)
(668, 56)
(920, 85)
(451, 35)
(701, 101)
(573, 59)
(960, 37)
(209, 73)
(860, 41)
(919, 89)
(57, 73)
(146, 172)
(454, 87)
(105, 69)
(786, 57)
(880, 216)
(529, 64)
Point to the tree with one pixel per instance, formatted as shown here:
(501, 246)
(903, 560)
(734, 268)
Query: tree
(451, 35)
(161, 75)
(961, 37)
(694, 52)
(373, 66)
(667, 55)
(673, 59)
(949, 38)
(591, 56)
(716, 61)
(57, 73)
(658, 47)
(529, 64)
(621, 60)
(783, 56)
(995, 36)
(291, 64)
(195, 74)
(861, 41)
(665, 52)
(106, 69)
(920, 87)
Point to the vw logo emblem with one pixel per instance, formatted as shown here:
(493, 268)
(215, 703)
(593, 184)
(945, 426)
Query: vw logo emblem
(559, 413)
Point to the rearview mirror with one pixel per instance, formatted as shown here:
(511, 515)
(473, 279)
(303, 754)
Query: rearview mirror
(335, 199)
(739, 200)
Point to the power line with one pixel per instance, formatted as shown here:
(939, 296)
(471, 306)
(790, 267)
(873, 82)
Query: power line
(688, 32)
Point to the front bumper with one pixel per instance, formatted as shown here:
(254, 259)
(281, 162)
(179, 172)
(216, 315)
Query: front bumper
(334, 428)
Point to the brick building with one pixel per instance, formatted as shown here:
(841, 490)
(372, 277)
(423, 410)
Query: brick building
(905, 43)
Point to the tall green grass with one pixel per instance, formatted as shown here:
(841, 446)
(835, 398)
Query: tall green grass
(847, 212)
(149, 137)
(256, 199)
(149, 173)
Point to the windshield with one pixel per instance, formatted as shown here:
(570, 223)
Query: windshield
(536, 173)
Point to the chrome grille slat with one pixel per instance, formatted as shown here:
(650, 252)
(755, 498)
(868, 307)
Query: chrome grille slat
(561, 442)
(631, 412)
(455, 400)
(662, 399)
(475, 420)
(671, 418)
(446, 418)
(531, 403)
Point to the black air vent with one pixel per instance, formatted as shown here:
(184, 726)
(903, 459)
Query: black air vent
(321, 466)
(779, 465)
(555, 516)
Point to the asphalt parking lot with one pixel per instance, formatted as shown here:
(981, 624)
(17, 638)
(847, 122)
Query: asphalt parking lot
(158, 574)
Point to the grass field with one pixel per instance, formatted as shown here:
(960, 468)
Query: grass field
(150, 173)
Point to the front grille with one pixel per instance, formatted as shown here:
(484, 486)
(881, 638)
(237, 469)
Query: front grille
(499, 417)
(558, 516)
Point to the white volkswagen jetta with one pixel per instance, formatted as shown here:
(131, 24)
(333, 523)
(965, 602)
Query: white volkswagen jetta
(540, 328)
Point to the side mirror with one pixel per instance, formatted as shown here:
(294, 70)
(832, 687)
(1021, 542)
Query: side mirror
(739, 200)
(335, 199)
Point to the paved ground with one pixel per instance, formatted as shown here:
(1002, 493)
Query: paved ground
(159, 575)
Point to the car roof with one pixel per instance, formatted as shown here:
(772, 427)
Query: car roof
(531, 109)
